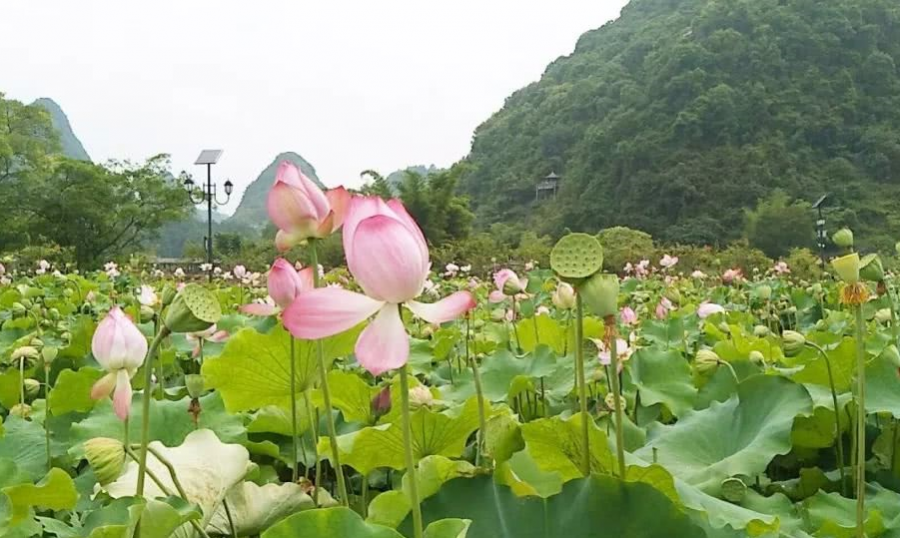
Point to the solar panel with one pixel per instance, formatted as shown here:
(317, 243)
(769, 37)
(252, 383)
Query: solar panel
(209, 156)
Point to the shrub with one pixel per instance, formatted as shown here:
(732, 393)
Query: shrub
(622, 245)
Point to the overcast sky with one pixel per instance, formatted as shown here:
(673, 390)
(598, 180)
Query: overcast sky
(348, 85)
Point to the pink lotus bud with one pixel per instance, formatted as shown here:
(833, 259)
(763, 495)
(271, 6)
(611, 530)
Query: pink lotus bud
(628, 315)
(285, 282)
(120, 348)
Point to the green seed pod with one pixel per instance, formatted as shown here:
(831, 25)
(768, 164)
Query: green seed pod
(706, 361)
(194, 309)
(49, 353)
(792, 342)
(53, 314)
(576, 256)
(871, 269)
(847, 267)
(601, 294)
(146, 314)
(883, 316)
(764, 292)
(733, 490)
(25, 352)
(68, 293)
(194, 384)
(32, 387)
(756, 357)
(20, 410)
(106, 457)
(760, 331)
(37, 343)
(168, 295)
(843, 238)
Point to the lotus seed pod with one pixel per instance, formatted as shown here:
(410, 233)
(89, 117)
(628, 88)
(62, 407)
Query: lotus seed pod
(32, 387)
(821, 325)
(756, 357)
(883, 316)
(68, 293)
(194, 384)
(792, 342)
(764, 292)
(168, 295)
(420, 396)
(194, 309)
(498, 314)
(147, 314)
(673, 295)
(610, 401)
(106, 457)
(706, 361)
(37, 343)
(20, 410)
(597, 375)
(760, 331)
(733, 490)
(871, 269)
(49, 354)
(25, 352)
(576, 256)
(601, 294)
(847, 267)
(843, 238)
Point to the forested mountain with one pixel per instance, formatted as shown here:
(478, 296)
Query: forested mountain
(681, 114)
(252, 210)
(396, 177)
(69, 144)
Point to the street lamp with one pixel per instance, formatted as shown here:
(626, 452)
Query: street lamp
(207, 193)
(821, 236)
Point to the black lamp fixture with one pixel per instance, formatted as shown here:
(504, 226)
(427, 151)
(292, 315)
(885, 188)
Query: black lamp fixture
(207, 193)
(821, 235)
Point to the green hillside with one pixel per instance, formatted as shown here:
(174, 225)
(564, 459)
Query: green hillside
(252, 210)
(682, 113)
(69, 143)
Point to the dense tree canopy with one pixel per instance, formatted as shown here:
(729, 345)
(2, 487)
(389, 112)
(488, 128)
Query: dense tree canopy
(680, 115)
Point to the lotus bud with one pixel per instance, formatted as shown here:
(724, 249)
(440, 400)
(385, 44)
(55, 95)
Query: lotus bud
(21, 411)
(847, 268)
(25, 352)
(883, 315)
(706, 361)
(106, 457)
(871, 269)
(478, 324)
(564, 296)
(610, 401)
(821, 325)
(760, 331)
(194, 384)
(147, 314)
(673, 295)
(892, 355)
(194, 309)
(756, 357)
(601, 294)
(764, 292)
(498, 314)
(53, 314)
(19, 309)
(32, 387)
(68, 293)
(49, 354)
(37, 343)
(597, 375)
(168, 295)
(843, 238)
(793, 343)
(724, 328)
(66, 336)
(381, 403)
(27, 304)
(420, 395)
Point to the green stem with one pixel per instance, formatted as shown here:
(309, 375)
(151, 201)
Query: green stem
(408, 451)
(160, 382)
(22, 381)
(617, 405)
(326, 393)
(47, 414)
(515, 326)
(145, 415)
(582, 385)
(171, 468)
(860, 423)
(365, 496)
(230, 520)
(837, 415)
(294, 440)
(314, 433)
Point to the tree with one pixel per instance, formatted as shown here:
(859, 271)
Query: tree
(104, 211)
(379, 186)
(776, 225)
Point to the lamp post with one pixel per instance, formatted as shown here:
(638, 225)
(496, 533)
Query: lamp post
(207, 193)
(821, 236)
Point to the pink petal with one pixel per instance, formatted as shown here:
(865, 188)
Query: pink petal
(315, 195)
(501, 276)
(103, 387)
(410, 223)
(360, 208)
(339, 199)
(446, 309)
(307, 279)
(122, 396)
(324, 312)
(496, 296)
(283, 283)
(290, 208)
(387, 260)
(219, 336)
(384, 344)
(258, 309)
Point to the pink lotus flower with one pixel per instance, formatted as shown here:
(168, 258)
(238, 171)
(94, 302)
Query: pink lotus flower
(629, 317)
(698, 274)
(147, 296)
(732, 275)
(285, 283)
(212, 334)
(300, 209)
(508, 285)
(623, 353)
(663, 308)
(667, 262)
(239, 272)
(120, 348)
(387, 254)
(781, 268)
(707, 309)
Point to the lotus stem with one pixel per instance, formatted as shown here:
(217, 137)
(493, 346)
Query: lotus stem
(295, 467)
(582, 385)
(860, 422)
(314, 433)
(617, 393)
(837, 415)
(145, 413)
(47, 414)
(479, 392)
(408, 451)
(326, 393)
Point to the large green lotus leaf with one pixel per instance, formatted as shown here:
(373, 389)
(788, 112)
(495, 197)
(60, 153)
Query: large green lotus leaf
(882, 386)
(72, 391)
(118, 519)
(170, 422)
(335, 522)
(24, 444)
(663, 377)
(503, 438)
(255, 508)
(254, 369)
(56, 491)
(843, 366)
(816, 431)
(9, 388)
(433, 434)
(26, 528)
(740, 344)
(80, 345)
(448, 528)
(596, 507)
(351, 395)
(163, 517)
(835, 516)
(557, 446)
(737, 437)
(499, 370)
(391, 508)
(276, 419)
(542, 330)
(206, 467)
